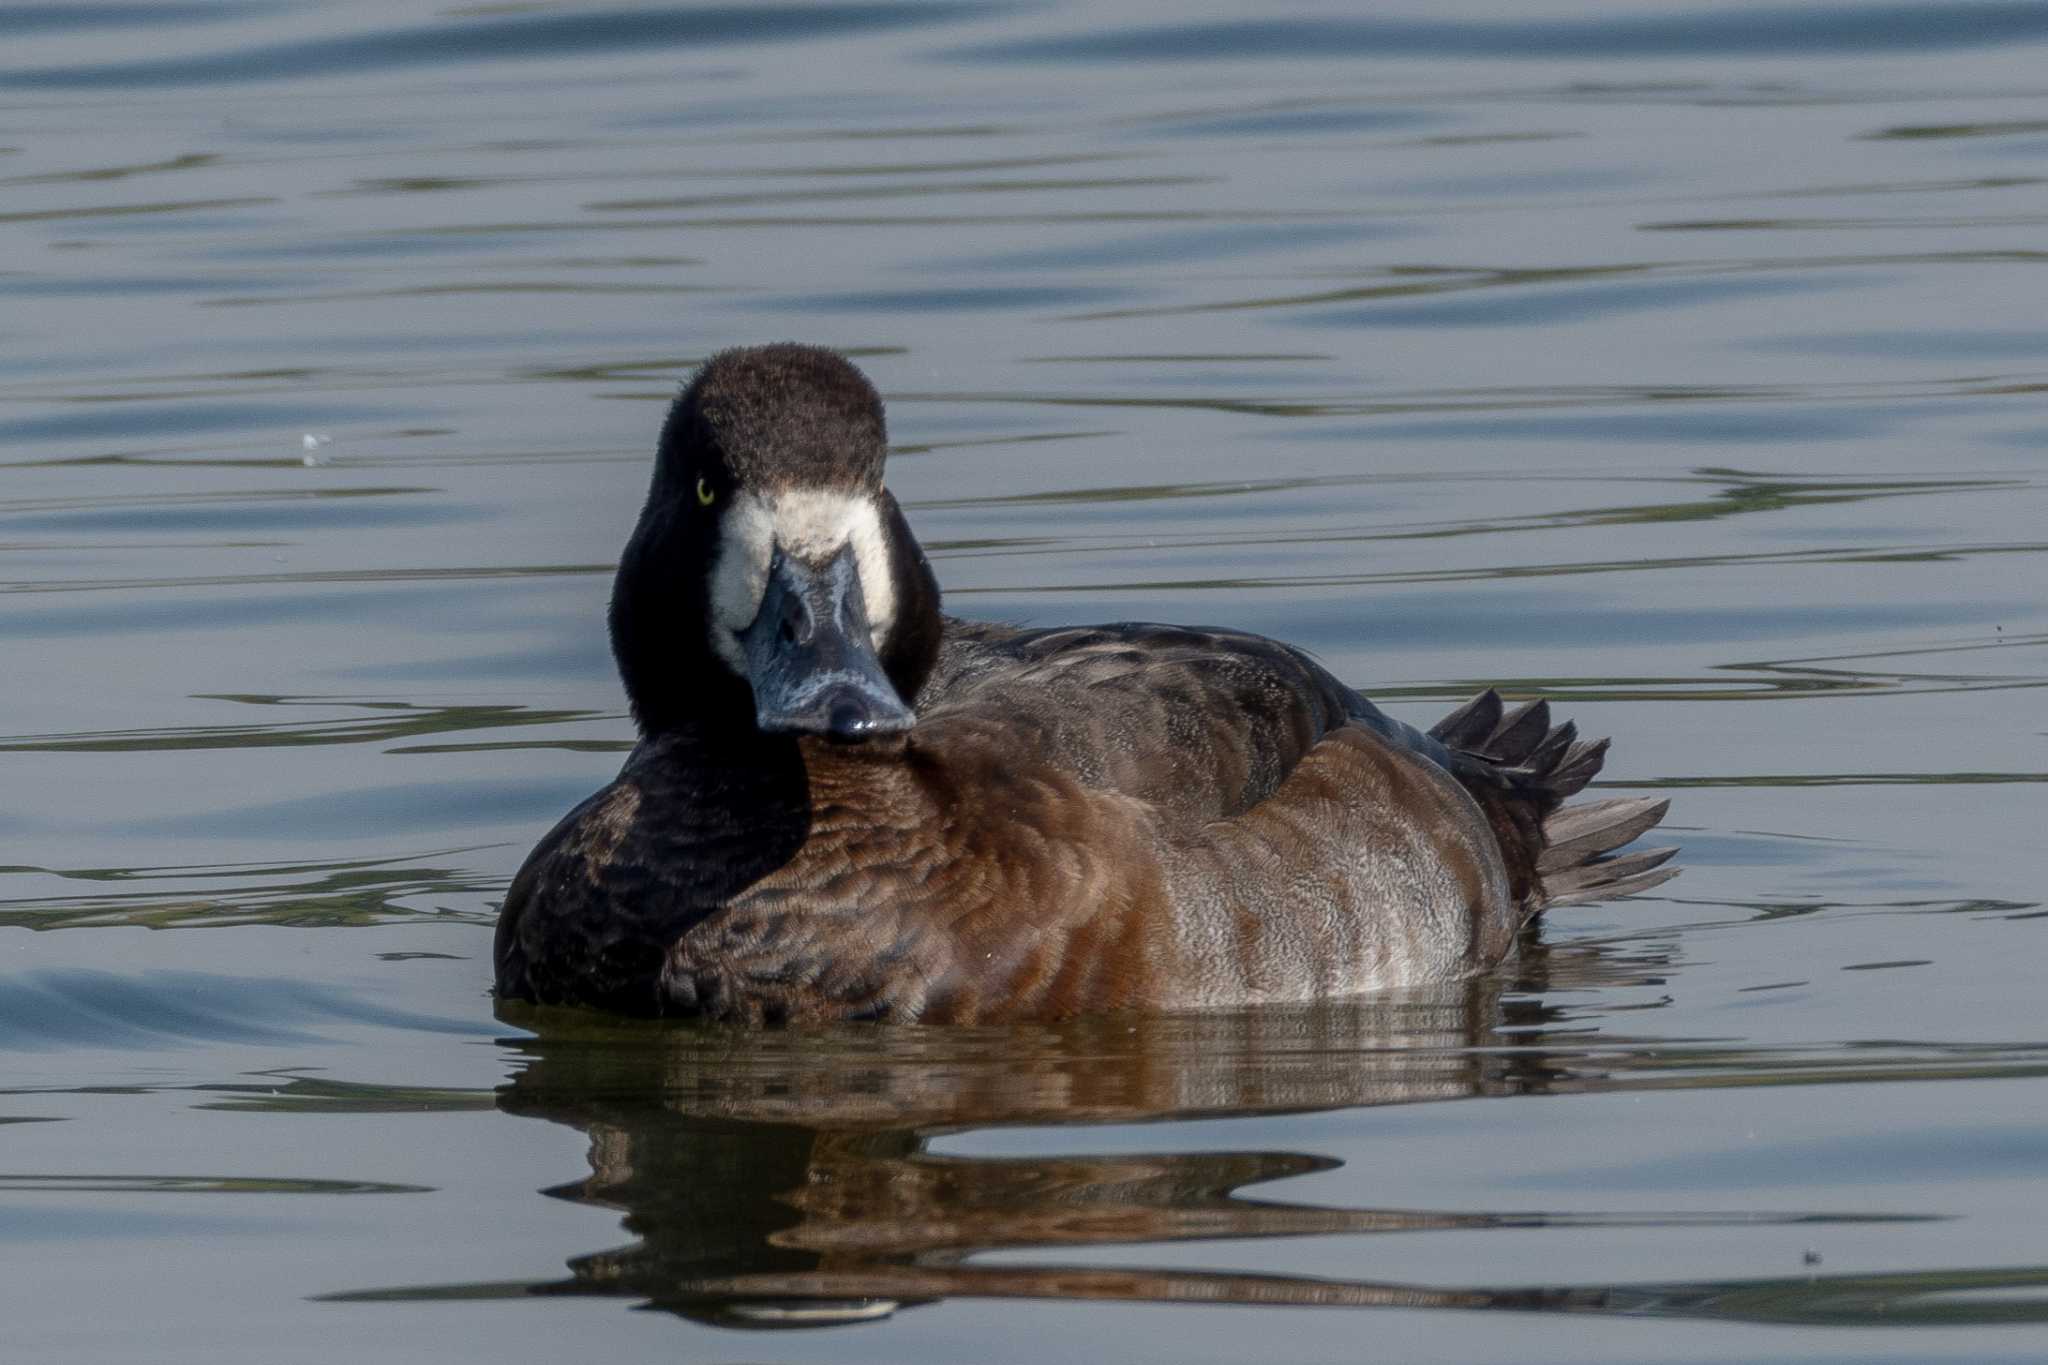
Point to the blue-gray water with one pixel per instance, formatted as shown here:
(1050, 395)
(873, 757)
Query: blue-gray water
(1688, 366)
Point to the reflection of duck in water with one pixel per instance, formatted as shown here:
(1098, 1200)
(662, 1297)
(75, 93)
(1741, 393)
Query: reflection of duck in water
(847, 805)
(785, 1179)
(788, 1178)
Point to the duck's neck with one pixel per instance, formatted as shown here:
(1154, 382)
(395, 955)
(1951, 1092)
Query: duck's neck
(913, 647)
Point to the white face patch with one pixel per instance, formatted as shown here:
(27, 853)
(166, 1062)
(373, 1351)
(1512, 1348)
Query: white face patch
(810, 524)
(739, 577)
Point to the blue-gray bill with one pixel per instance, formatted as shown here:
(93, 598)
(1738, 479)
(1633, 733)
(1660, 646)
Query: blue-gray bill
(811, 655)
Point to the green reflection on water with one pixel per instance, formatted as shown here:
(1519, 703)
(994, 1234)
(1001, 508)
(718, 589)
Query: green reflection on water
(1920, 131)
(391, 720)
(185, 162)
(311, 1095)
(303, 895)
(131, 210)
(197, 1184)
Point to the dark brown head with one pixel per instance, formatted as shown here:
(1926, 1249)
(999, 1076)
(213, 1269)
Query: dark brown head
(772, 583)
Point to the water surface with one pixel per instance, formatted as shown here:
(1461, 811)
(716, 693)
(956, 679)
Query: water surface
(1682, 365)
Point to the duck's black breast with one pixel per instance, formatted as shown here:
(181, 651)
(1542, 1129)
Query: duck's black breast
(592, 916)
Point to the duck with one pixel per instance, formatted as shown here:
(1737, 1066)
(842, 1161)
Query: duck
(848, 804)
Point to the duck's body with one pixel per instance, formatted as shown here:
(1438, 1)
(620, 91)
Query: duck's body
(1118, 817)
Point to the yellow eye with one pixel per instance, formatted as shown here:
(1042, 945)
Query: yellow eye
(705, 497)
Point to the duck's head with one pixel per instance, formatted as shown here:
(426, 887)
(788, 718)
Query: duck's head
(772, 580)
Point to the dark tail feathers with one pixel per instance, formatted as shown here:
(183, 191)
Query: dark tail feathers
(1521, 770)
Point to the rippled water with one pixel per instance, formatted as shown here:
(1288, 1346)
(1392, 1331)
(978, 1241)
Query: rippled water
(1685, 366)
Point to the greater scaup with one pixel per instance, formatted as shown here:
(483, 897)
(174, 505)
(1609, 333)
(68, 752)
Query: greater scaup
(846, 804)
